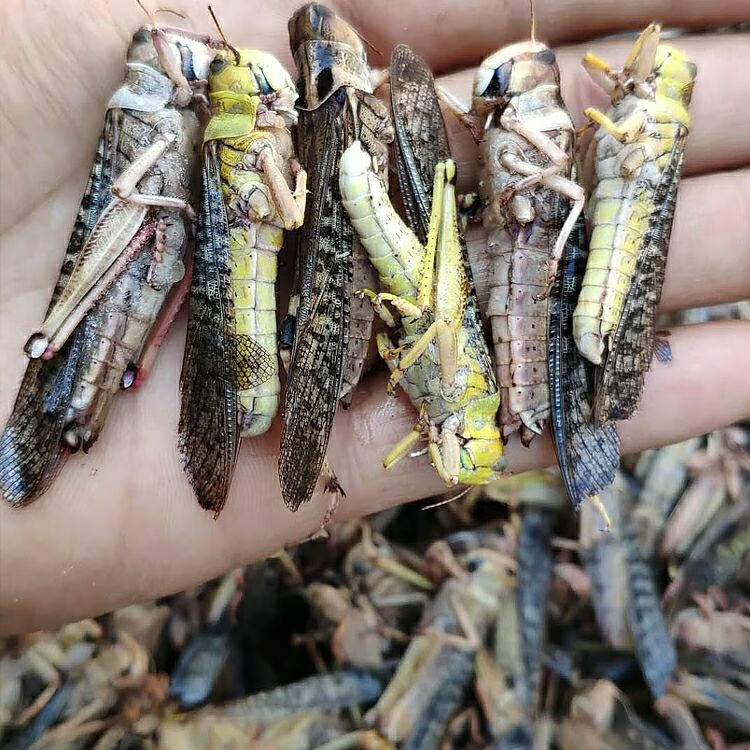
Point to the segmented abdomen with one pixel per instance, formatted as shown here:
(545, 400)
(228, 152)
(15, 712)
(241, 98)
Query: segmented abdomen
(256, 236)
(623, 207)
(523, 229)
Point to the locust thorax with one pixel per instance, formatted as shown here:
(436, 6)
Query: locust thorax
(248, 81)
(513, 72)
(329, 55)
(162, 66)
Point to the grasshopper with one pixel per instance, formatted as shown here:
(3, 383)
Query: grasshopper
(532, 210)
(111, 306)
(638, 152)
(625, 596)
(253, 189)
(441, 358)
(330, 333)
(438, 665)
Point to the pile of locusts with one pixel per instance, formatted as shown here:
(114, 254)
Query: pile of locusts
(572, 318)
(501, 620)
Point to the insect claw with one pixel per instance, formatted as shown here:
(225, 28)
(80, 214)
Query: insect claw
(36, 345)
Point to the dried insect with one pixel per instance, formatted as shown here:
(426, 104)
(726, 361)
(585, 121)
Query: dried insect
(438, 665)
(625, 596)
(252, 190)
(441, 358)
(330, 336)
(531, 206)
(111, 307)
(601, 717)
(638, 149)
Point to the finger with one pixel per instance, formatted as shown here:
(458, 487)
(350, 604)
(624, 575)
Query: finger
(61, 66)
(453, 34)
(709, 253)
(120, 524)
(720, 109)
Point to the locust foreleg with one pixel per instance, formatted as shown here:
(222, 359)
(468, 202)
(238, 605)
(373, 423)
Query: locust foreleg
(290, 206)
(548, 177)
(124, 187)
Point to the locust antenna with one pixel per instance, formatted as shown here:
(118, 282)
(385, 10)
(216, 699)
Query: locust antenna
(368, 42)
(232, 49)
(533, 20)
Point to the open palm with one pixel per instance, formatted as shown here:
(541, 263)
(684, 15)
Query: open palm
(120, 524)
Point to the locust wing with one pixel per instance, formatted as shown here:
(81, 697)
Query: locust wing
(588, 454)
(217, 361)
(324, 272)
(31, 446)
(421, 142)
(628, 356)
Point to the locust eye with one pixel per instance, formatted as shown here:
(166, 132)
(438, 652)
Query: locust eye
(498, 86)
(324, 83)
(473, 564)
(142, 35)
(218, 65)
(546, 56)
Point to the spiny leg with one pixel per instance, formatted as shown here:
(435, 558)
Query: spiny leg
(561, 185)
(624, 132)
(541, 141)
(289, 205)
(136, 373)
(53, 344)
(124, 187)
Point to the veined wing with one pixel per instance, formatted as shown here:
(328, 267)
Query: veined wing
(588, 454)
(217, 362)
(628, 356)
(320, 342)
(30, 445)
(421, 142)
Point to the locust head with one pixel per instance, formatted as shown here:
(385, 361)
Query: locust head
(253, 78)
(511, 72)
(329, 54)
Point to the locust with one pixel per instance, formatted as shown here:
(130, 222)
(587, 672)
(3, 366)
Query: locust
(638, 152)
(253, 189)
(438, 665)
(330, 330)
(124, 273)
(439, 357)
(532, 209)
(626, 601)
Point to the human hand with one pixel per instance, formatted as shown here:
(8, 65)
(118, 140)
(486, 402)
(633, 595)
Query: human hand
(121, 524)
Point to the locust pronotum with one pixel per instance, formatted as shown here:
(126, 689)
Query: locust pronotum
(441, 359)
(637, 153)
(252, 190)
(108, 311)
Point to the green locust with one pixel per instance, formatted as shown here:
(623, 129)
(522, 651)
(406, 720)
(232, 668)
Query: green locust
(253, 189)
(440, 358)
(124, 275)
(638, 151)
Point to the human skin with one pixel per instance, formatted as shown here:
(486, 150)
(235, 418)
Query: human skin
(120, 524)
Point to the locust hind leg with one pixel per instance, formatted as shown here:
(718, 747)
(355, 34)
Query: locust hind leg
(137, 372)
(117, 236)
